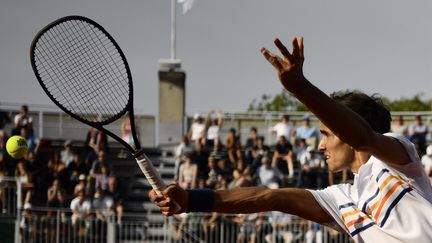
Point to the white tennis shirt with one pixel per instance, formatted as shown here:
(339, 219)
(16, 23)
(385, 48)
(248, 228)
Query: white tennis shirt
(385, 203)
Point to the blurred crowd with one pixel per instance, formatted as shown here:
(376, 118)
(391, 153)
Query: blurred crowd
(75, 178)
(82, 180)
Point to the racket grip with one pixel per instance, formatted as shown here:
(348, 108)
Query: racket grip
(150, 172)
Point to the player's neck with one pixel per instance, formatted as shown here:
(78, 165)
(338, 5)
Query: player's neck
(360, 158)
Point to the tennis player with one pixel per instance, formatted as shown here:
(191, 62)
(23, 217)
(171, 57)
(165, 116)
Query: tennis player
(390, 199)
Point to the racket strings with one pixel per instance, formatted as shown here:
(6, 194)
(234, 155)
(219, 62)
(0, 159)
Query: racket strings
(83, 70)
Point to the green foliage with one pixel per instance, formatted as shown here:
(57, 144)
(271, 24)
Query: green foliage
(284, 101)
(415, 103)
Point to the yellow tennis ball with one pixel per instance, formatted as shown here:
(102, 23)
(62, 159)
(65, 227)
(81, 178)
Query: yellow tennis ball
(16, 146)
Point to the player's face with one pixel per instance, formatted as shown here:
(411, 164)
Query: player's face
(338, 155)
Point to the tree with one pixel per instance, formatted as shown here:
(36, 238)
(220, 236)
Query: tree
(284, 101)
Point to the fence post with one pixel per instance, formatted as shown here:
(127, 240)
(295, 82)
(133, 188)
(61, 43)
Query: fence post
(58, 226)
(111, 234)
(18, 213)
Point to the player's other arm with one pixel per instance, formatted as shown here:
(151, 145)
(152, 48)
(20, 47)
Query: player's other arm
(343, 122)
(244, 200)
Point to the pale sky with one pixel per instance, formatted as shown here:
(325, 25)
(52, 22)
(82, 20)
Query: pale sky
(380, 46)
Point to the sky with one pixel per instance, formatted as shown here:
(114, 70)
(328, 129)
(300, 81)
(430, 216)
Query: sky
(380, 47)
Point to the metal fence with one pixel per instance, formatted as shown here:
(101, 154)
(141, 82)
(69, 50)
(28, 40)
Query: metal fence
(33, 224)
(37, 226)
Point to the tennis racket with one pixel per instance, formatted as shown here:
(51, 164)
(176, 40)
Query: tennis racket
(84, 72)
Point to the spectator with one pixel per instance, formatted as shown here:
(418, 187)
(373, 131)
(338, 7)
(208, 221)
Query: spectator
(23, 176)
(417, 133)
(97, 164)
(258, 152)
(23, 120)
(81, 186)
(188, 173)
(283, 157)
(32, 141)
(101, 180)
(213, 174)
(126, 131)
(308, 132)
(67, 154)
(180, 151)
(267, 174)
(95, 141)
(284, 128)
(399, 127)
(196, 132)
(213, 126)
(102, 205)
(201, 160)
(252, 140)
(56, 195)
(81, 208)
(309, 174)
(76, 168)
(116, 195)
(126, 135)
(427, 161)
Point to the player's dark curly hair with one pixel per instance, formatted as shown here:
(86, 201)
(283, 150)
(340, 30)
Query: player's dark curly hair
(371, 108)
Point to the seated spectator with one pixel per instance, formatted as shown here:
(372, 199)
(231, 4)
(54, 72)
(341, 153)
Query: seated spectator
(102, 205)
(188, 173)
(67, 153)
(268, 175)
(24, 177)
(75, 169)
(399, 127)
(95, 141)
(213, 127)
(238, 180)
(417, 133)
(56, 195)
(200, 156)
(427, 161)
(23, 120)
(82, 185)
(101, 179)
(81, 208)
(310, 166)
(97, 163)
(251, 142)
(115, 192)
(32, 141)
(258, 152)
(284, 128)
(213, 174)
(308, 132)
(181, 150)
(196, 133)
(283, 157)
(231, 141)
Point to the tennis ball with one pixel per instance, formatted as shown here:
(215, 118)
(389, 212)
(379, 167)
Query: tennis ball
(16, 146)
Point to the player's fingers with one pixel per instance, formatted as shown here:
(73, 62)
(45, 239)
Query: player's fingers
(296, 48)
(283, 49)
(271, 58)
(301, 46)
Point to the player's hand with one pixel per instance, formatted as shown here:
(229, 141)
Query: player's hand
(174, 200)
(289, 67)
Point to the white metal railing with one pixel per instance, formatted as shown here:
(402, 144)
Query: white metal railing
(57, 225)
(36, 226)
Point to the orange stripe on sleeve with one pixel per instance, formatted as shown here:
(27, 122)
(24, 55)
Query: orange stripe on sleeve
(386, 197)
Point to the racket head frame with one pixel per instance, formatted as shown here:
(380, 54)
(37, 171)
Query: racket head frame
(96, 124)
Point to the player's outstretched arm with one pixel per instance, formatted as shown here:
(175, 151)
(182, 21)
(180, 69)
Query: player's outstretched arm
(244, 200)
(344, 123)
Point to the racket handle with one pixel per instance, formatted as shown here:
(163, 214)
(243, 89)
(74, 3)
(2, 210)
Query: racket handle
(150, 172)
